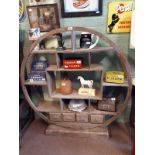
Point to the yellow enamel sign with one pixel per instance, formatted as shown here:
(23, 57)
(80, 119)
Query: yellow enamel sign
(119, 17)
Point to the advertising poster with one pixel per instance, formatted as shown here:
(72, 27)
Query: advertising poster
(119, 17)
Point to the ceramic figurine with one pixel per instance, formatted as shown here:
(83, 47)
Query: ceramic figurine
(85, 82)
(86, 91)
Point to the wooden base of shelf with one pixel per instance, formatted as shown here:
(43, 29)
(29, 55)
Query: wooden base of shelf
(58, 130)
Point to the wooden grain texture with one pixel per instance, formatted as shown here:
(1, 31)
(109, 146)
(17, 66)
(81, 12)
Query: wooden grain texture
(49, 106)
(112, 47)
(57, 130)
(76, 51)
(93, 67)
(36, 83)
(75, 95)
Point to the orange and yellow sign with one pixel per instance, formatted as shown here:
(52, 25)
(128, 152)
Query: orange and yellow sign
(119, 17)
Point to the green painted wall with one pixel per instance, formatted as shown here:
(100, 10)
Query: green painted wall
(99, 24)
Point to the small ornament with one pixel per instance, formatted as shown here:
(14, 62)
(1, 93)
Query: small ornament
(86, 91)
(77, 105)
(83, 82)
(66, 86)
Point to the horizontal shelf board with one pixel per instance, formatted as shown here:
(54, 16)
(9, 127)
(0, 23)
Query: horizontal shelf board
(80, 50)
(93, 67)
(38, 72)
(49, 106)
(44, 51)
(125, 84)
(75, 95)
(93, 110)
(39, 83)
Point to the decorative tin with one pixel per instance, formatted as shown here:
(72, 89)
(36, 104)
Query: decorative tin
(72, 64)
(66, 86)
(114, 76)
(107, 104)
(39, 65)
(36, 77)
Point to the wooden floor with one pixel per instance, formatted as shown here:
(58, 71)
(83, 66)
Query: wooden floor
(35, 142)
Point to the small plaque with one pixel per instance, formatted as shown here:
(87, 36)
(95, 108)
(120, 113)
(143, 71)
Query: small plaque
(86, 91)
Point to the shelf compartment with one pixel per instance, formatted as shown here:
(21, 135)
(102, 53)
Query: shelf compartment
(94, 110)
(67, 110)
(69, 50)
(75, 95)
(125, 84)
(93, 67)
(49, 106)
(36, 83)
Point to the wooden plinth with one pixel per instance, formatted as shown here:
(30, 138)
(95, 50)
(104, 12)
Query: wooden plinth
(58, 130)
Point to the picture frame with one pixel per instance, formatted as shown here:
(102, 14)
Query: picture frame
(45, 17)
(81, 8)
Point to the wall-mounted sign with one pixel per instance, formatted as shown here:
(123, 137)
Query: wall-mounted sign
(119, 17)
(22, 12)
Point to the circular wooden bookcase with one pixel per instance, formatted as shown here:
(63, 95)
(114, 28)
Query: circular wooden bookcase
(47, 110)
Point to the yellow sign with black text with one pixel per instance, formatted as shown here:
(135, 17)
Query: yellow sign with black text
(119, 17)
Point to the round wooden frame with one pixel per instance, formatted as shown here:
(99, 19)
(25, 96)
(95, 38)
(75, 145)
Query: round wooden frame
(116, 49)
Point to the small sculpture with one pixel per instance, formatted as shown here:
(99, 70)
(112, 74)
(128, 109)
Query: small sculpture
(85, 82)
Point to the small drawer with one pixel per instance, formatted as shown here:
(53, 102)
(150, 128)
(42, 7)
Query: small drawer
(55, 117)
(69, 117)
(97, 118)
(81, 117)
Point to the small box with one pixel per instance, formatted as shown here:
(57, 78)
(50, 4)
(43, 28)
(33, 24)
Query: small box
(97, 118)
(107, 104)
(81, 117)
(36, 77)
(39, 65)
(56, 117)
(114, 77)
(72, 63)
(69, 117)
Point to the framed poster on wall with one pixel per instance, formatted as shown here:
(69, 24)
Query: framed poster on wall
(119, 17)
(44, 17)
(81, 8)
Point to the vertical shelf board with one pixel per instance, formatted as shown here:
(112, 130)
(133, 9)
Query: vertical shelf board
(51, 84)
(58, 60)
(73, 40)
(61, 105)
(89, 59)
(102, 76)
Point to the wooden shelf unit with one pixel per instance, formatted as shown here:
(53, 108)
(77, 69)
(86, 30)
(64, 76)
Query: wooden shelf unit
(59, 109)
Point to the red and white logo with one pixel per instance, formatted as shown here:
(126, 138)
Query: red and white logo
(122, 8)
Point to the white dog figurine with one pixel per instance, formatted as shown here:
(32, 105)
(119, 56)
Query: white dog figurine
(85, 82)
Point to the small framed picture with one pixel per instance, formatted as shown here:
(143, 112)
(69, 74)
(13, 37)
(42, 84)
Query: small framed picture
(45, 17)
(81, 8)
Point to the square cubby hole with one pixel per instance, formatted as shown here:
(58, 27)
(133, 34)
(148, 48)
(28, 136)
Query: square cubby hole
(84, 57)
